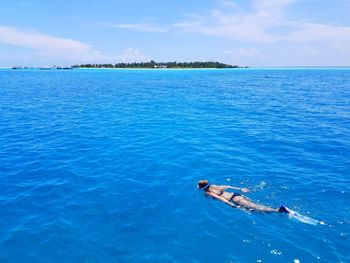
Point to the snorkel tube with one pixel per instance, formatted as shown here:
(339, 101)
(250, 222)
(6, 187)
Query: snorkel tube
(205, 187)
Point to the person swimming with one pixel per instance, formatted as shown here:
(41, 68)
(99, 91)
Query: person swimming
(235, 199)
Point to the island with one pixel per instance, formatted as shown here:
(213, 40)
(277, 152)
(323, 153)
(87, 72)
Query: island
(160, 65)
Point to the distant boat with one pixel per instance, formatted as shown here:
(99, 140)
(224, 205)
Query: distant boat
(19, 67)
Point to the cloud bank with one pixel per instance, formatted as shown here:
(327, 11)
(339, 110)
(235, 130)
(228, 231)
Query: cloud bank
(267, 22)
(267, 25)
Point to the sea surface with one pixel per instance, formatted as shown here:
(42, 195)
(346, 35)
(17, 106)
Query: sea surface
(102, 165)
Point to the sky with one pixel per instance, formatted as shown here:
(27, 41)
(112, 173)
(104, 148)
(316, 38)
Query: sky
(255, 33)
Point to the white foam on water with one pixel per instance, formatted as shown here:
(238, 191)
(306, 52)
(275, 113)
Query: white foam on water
(302, 218)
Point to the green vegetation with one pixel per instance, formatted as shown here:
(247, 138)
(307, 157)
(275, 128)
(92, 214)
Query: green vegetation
(153, 64)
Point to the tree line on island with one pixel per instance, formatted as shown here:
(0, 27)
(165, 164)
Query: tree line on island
(153, 64)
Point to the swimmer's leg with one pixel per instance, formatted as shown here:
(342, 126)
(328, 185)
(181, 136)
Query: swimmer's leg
(240, 200)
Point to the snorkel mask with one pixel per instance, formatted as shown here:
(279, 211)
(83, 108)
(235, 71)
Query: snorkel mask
(203, 184)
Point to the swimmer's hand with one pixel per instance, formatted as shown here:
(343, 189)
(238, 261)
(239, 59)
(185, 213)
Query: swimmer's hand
(245, 190)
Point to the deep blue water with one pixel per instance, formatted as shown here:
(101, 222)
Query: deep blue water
(102, 165)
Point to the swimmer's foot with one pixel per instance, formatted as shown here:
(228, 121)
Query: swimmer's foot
(283, 209)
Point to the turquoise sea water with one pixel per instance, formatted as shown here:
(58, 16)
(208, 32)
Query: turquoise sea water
(102, 165)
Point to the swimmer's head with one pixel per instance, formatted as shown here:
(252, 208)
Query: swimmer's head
(203, 184)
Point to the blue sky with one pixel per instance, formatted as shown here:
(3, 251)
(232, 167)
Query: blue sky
(243, 32)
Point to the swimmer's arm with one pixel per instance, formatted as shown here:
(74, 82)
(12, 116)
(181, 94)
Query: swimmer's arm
(244, 190)
(220, 198)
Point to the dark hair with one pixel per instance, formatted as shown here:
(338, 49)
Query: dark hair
(202, 184)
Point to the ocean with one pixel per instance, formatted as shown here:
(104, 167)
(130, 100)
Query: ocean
(102, 165)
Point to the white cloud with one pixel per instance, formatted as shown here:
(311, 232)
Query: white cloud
(132, 55)
(13, 36)
(240, 27)
(50, 46)
(144, 27)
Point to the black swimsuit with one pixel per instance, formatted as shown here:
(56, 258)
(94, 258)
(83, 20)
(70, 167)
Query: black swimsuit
(234, 195)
